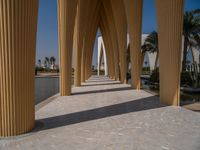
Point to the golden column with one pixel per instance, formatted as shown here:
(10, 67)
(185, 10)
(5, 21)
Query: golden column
(107, 48)
(104, 26)
(91, 49)
(113, 34)
(81, 20)
(66, 22)
(134, 18)
(170, 26)
(93, 5)
(121, 28)
(83, 60)
(92, 30)
(18, 26)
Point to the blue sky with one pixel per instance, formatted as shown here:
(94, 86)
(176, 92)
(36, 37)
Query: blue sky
(47, 34)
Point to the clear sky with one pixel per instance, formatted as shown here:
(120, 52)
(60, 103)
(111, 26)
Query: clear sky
(47, 34)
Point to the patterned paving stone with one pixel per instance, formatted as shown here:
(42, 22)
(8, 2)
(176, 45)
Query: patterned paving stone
(106, 115)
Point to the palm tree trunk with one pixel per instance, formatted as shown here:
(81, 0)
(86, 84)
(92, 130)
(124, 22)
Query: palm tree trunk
(184, 56)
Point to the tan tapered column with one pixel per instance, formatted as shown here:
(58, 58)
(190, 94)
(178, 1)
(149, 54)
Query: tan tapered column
(94, 6)
(17, 65)
(170, 26)
(108, 44)
(121, 28)
(66, 17)
(91, 49)
(107, 49)
(83, 61)
(81, 20)
(113, 34)
(134, 18)
(91, 34)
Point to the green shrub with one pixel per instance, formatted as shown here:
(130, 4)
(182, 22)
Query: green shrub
(35, 70)
(57, 70)
(154, 77)
(145, 70)
(102, 72)
(186, 79)
(128, 75)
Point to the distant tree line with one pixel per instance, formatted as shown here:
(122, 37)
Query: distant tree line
(48, 65)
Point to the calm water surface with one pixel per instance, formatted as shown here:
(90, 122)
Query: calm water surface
(45, 87)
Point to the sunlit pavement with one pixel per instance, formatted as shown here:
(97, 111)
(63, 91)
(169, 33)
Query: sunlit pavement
(104, 114)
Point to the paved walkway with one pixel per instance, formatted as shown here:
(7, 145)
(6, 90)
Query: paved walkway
(106, 115)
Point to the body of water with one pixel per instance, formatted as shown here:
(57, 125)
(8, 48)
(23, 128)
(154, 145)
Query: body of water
(45, 87)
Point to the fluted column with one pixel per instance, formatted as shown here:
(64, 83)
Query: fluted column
(93, 5)
(18, 25)
(113, 34)
(170, 26)
(91, 34)
(91, 49)
(99, 56)
(101, 47)
(66, 18)
(83, 61)
(121, 28)
(107, 45)
(106, 34)
(81, 19)
(134, 18)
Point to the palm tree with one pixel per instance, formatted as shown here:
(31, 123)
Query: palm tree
(45, 64)
(151, 45)
(47, 61)
(39, 63)
(52, 61)
(191, 33)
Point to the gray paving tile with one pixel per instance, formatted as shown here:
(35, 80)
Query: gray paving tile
(103, 114)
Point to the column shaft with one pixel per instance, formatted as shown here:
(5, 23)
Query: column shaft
(99, 56)
(121, 28)
(92, 30)
(66, 17)
(134, 18)
(93, 5)
(81, 20)
(170, 26)
(18, 26)
(108, 42)
(83, 61)
(113, 34)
